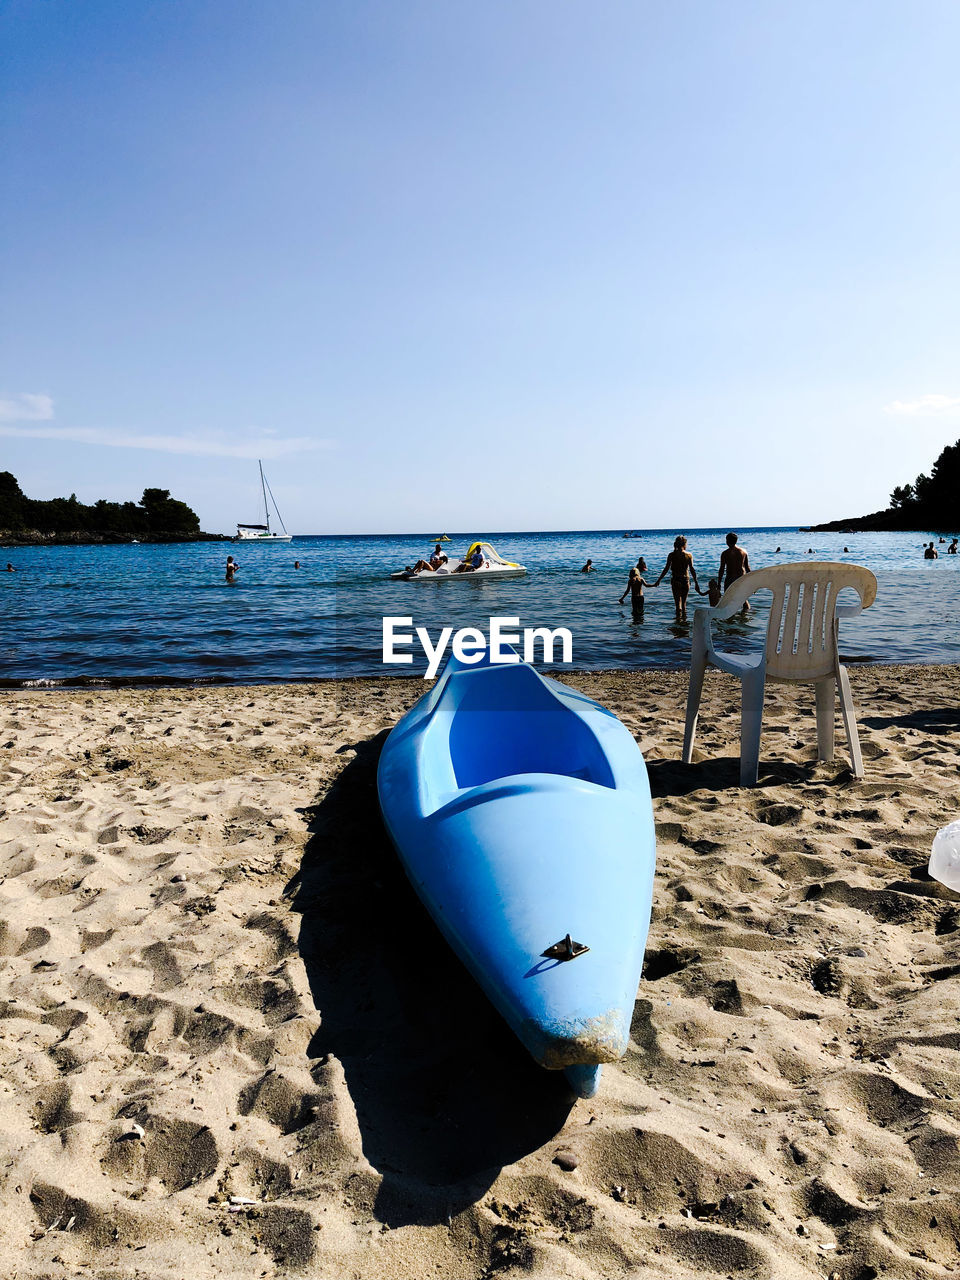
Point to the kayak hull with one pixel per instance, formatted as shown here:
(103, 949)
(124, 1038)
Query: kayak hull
(521, 812)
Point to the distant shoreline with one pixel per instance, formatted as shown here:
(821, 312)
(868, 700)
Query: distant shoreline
(879, 522)
(33, 538)
(862, 524)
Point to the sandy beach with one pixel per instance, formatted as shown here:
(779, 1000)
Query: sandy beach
(233, 1044)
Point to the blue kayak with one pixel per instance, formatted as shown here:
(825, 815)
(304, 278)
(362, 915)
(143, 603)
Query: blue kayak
(521, 811)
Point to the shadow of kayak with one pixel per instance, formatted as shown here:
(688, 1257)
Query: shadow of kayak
(445, 1095)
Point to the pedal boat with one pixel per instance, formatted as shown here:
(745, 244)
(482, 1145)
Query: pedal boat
(494, 566)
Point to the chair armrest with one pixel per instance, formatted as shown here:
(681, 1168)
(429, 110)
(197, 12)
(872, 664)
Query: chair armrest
(725, 609)
(736, 596)
(866, 589)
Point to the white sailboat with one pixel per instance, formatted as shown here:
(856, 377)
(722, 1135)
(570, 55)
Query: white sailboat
(262, 532)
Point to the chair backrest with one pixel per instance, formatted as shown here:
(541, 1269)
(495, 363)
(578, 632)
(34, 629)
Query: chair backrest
(801, 639)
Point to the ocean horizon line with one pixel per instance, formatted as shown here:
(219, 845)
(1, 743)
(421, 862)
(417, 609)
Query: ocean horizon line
(617, 530)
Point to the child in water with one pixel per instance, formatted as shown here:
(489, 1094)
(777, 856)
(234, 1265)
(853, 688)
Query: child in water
(635, 585)
(713, 592)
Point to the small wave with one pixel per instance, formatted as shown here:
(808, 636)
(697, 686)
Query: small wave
(176, 682)
(111, 682)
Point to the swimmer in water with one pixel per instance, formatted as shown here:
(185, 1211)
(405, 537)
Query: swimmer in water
(588, 567)
(680, 566)
(232, 568)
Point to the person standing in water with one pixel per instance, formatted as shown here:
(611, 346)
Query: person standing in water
(588, 567)
(635, 585)
(680, 566)
(734, 563)
(232, 568)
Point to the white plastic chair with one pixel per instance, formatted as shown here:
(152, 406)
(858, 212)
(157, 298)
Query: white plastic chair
(801, 645)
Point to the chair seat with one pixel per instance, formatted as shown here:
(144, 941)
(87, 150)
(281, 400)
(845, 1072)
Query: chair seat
(736, 664)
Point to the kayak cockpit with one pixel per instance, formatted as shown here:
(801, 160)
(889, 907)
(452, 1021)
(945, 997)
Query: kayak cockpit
(553, 741)
(474, 739)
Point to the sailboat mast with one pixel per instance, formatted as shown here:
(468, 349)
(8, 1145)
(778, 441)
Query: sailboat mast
(263, 486)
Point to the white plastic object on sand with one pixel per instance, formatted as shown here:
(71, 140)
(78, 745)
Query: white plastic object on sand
(945, 856)
(801, 645)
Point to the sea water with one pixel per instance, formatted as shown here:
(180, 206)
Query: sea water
(164, 614)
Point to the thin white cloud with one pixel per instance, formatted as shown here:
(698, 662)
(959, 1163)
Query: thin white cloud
(218, 446)
(26, 407)
(925, 406)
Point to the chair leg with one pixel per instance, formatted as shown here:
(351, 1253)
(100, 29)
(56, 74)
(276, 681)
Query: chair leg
(850, 721)
(698, 665)
(826, 718)
(751, 722)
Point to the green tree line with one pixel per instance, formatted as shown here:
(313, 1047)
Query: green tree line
(932, 499)
(155, 513)
(929, 503)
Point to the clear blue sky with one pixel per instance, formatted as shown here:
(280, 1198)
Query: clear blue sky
(518, 264)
